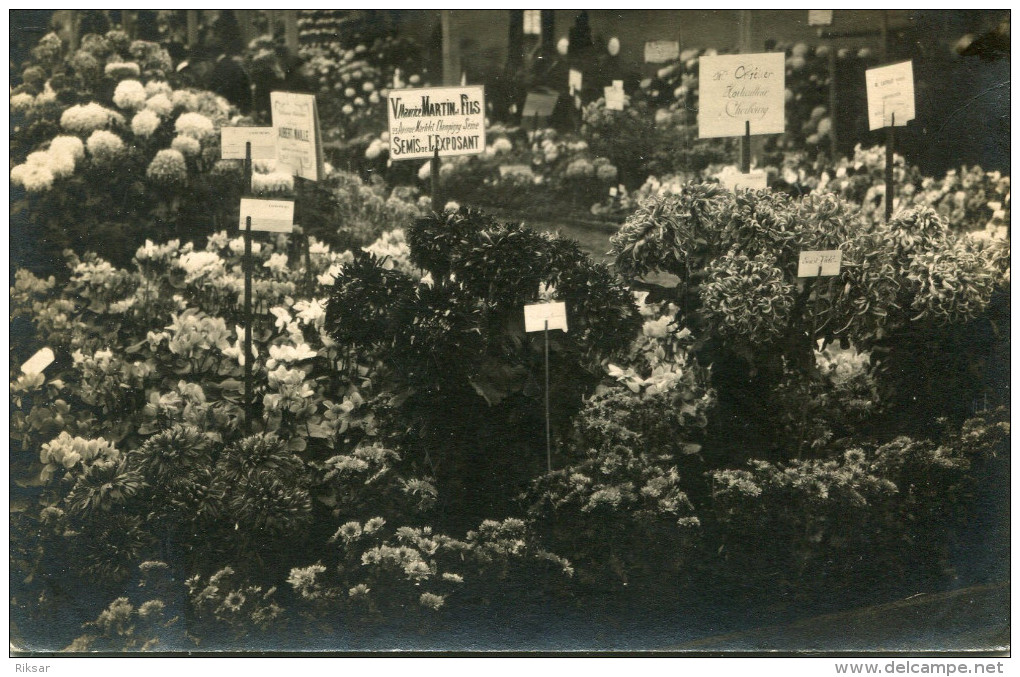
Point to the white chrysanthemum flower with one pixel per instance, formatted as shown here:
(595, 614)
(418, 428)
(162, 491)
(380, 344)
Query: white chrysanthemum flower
(168, 167)
(194, 125)
(160, 104)
(274, 182)
(47, 96)
(186, 145)
(69, 145)
(276, 263)
(33, 178)
(502, 146)
(60, 163)
(122, 69)
(88, 118)
(375, 149)
(145, 123)
(22, 102)
(425, 171)
(129, 94)
(154, 87)
(183, 99)
(347, 109)
(104, 145)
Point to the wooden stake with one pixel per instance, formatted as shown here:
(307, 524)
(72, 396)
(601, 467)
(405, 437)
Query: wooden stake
(890, 189)
(437, 204)
(745, 149)
(548, 426)
(833, 140)
(247, 299)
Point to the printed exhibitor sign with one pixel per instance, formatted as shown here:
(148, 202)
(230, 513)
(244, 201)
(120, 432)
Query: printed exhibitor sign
(299, 143)
(448, 119)
(739, 88)
(890, 95)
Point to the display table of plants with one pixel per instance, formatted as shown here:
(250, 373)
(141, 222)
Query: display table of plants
(721, 428)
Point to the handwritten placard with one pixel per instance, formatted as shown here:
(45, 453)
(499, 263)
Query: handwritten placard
(661, 51)
(540, 104)
(273, 216)
(739, 88)
(516, 170)
(811, 262)
(537, 315)
(890, 92)
(819, 17)
(298, 141)
(574, 80)
(448, 119)
(233, 140)
(38, 362)
(734, 180)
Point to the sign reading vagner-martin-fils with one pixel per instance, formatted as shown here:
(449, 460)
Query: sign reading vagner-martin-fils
(450, 119)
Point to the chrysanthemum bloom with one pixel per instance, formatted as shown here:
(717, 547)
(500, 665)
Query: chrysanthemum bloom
(168, 167)
(70, 145)
(33, 178)
(89, 117)
(606, 173)
(58, 163)
(425, 171)
(47, 96)
(183, 99)
(120, 70)
(129, 94)
(194, 125)
(160, 104)
(274, 182)
(104, 146)
(186, 145)
(144, 123)
(347, 109)
(22, 102)
(154, 87)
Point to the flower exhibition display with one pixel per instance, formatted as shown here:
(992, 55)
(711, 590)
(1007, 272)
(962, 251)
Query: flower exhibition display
(337, 432)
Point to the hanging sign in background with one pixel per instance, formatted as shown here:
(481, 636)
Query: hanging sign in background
(274, 216)
(299, 143)
(737, 88)
(263, 142)
(829, 260)
(536, 316)
(819, 17)
(661, 51)
(540, 104)
(615, 99)
(574, 79)
(448, 119)
(890, 90)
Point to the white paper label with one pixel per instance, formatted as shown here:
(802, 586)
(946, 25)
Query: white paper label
(532, 22)
(298, 143)
(516, 170)
(734, 180)
(614, 98)
(661, 51)
(273, 216)
(740, 88)
(828, 261)
(422, 120)
(890, 92)
(233, 139)
(536, 316)
(38, 362)
(574, 79)
(819, 17)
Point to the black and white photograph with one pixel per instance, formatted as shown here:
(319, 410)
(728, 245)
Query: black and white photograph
(507, 332)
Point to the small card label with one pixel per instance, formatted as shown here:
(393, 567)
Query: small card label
(733, 180)
(661, 51)
(890, 93)
(614, 96)
(38, 362)
(273, 216)
(263, 142)
(574, 79)
(539, 104)
(537, 315)
(828, 262)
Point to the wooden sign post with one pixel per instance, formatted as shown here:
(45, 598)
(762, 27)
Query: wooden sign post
(741, 94)
(246, 266)
(890, 103)
(543, 317)
(436, 122)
